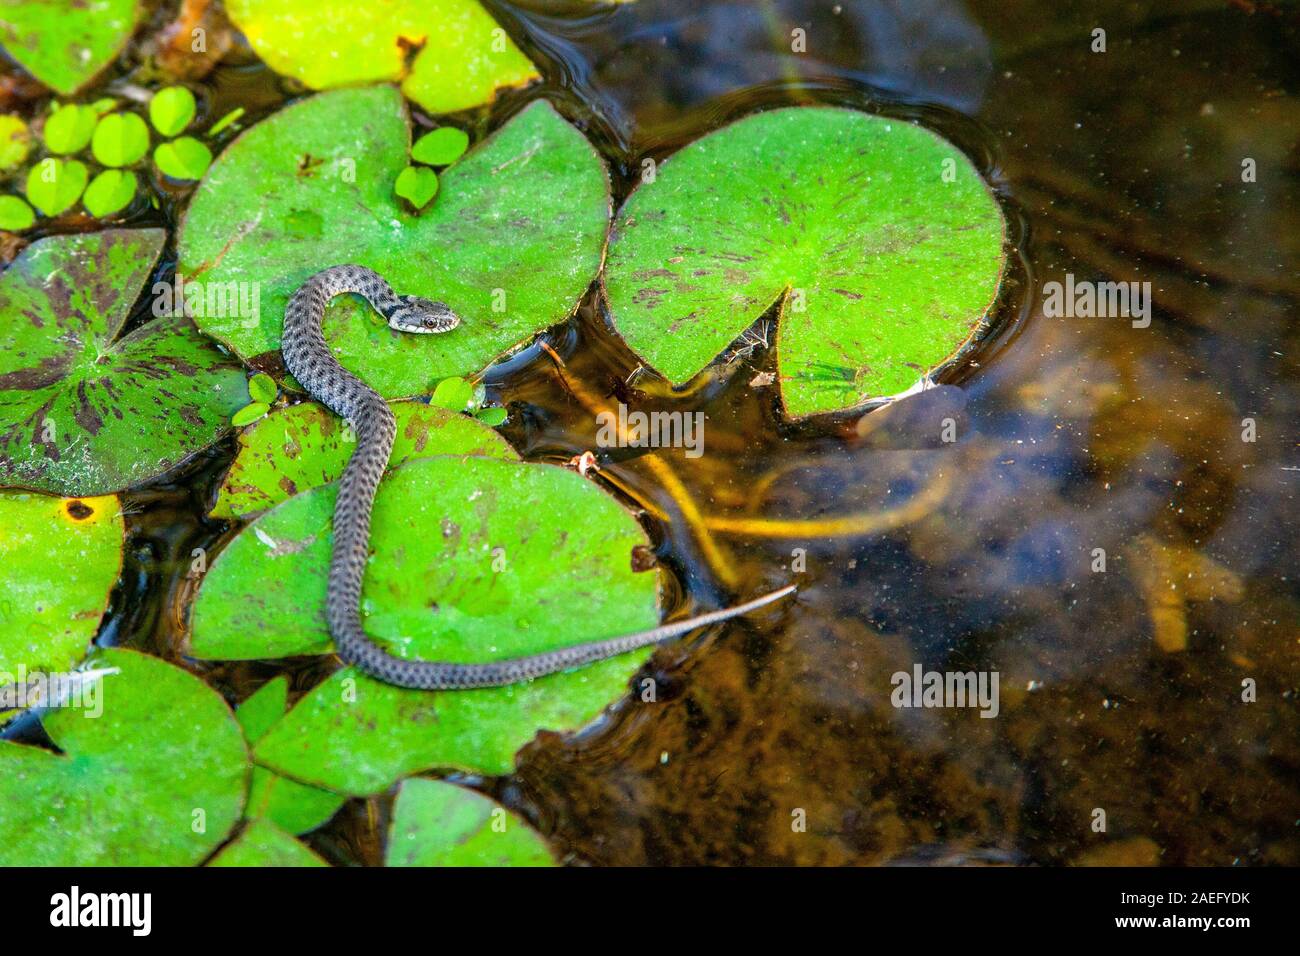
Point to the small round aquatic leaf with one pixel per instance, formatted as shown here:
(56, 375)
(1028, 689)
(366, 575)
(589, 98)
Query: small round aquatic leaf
(120, 139)
(86, 412)
(417, 185)
(879, 239)
(492, 416)
(61, 558)
(171, 110)
(511, 245)
(306, 445)
(109, 192)
(69, 128)
(263, 844)
(454, 394)
(463, 58)
(55, 185)
(129, 785)
(261, 387)
(15, 141)
(440, 824)
(473, 560)
(292, 806)
(440, 147)
(15, 215)
(184, 158)
(249, 414)
(65, 43)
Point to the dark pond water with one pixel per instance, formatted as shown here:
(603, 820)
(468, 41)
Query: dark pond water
(1121, 689)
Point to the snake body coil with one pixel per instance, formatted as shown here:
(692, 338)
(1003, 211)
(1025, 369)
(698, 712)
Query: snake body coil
(310, 361)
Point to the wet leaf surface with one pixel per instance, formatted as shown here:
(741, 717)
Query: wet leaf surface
(129, 788)
(511, 242)
(473, 560)
(878, 238)
(463, 55)
(64, 43)
(61, 558)
(84, 410)
(263, 844)
(441, 824)
(306, 445)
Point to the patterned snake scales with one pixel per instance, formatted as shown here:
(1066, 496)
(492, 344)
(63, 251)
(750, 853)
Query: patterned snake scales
(309, 359)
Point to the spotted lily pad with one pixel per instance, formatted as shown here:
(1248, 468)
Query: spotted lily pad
(511, 243)
(440, 824)
(61, 557)
(474, 559)
(463, 56)
(263, 844)
(65, 43)
(879, 239)
(85, 411)
(305, 445)
(157, 779)
(290, 805)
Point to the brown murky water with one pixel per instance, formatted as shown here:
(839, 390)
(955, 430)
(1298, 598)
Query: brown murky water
(1121, 689)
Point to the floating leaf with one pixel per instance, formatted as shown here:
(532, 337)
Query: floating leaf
(55, 185)
(249, 414)
(290, 805)
(86, 412)
(491, 416)
(120, 139)
(441, 824)
(261, 387)
(156, 780)
(463, 58)
(454, 394)
(15, 141)
(64, 43)
(878, 238)
(15, 215)
(184, 158)
(306, 445)
(474, 560)
(511, 245)
(61, 558)
(109, 192)
(171, 110)
(417, 185)
(69, 128)
(262, 845)
(441, 147)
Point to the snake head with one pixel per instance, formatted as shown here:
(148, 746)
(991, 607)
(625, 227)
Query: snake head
(423, 316)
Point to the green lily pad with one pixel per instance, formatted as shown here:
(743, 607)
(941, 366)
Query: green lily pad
(290, 805)
(417, 185)
(306, 445)
(474, 560)
(69, 128)
(171, 110)
(440, 824)
(54, 185)
(15, 215)
(61, 558)
(109, 192)
(511, 244)
(464, 56)
(65, 43)
(86, 412)
(120, 139)
(185, 158)
(263, 844)
(157, 779)
(440, 147)
(879, 239)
